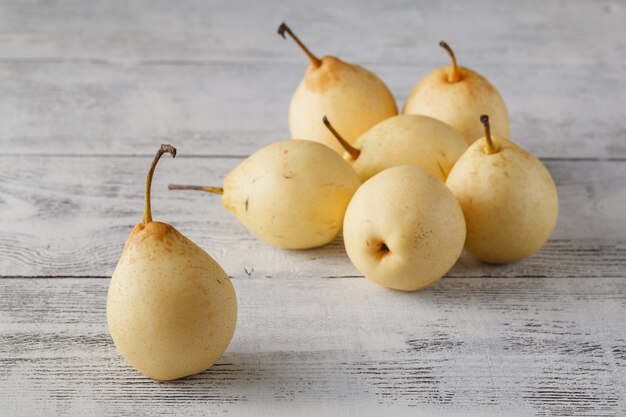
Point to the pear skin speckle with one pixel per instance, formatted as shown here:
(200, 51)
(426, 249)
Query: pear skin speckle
(171, 309)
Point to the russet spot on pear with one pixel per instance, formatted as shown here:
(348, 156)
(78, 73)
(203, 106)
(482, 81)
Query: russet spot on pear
(171, 309)
(509, 199)
(407, 139)
(292, 194)
(458, 96)
(350, 94)
(404, 229)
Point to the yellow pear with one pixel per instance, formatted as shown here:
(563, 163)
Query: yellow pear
(458, 96)
(407, 139)
(508, 197)
(404, 229)
(353, 96)
(171, 309)
(292, 194)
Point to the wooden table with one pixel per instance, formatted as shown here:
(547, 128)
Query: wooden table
(88, 90)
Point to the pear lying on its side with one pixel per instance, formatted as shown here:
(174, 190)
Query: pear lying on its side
(458, 96)
(292, 194)
(353, 96)
(171, 309)
(407, 139)
(508, 197)
(404, 229)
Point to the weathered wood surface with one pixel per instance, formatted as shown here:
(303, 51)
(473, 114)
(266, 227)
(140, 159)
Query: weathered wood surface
(235, 108)
(73, 221)
(86, 78)
(482, 346)
(88, 90)
(535, 32)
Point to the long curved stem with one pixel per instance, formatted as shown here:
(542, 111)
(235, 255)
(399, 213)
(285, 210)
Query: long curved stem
(147, 209)
(212, 190)
(454, 75)
(354, 152)
(283, 28)
(491, 147)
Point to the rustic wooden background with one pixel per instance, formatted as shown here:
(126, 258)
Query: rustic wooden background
(89, 89)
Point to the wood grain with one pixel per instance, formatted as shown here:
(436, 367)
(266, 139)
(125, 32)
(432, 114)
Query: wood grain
(482, 346)
(71, 215)
(202, 73)
(85, 108)
(533, 33)
(88, 90)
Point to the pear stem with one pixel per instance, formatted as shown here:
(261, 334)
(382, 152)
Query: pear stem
(354, 152)
(491, 147)
(212, 190)
(147, 209)
(454, 75)
(284, 28)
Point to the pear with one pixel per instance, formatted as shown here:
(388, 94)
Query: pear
(458, 96)
(407, 139)
(171, 309)
(403, 228)
(353, 96)
(292, 194)
(508, 197)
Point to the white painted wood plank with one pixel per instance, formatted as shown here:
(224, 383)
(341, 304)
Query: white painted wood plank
(336, 347)
(530, 33)
(81, 79)
(235, 108)
(71, 216)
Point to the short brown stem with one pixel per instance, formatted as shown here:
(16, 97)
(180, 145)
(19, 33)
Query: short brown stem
(212, 190)
(283, 28)
(147, 209)
(454, 75)
(491, 147)
(354, 152)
